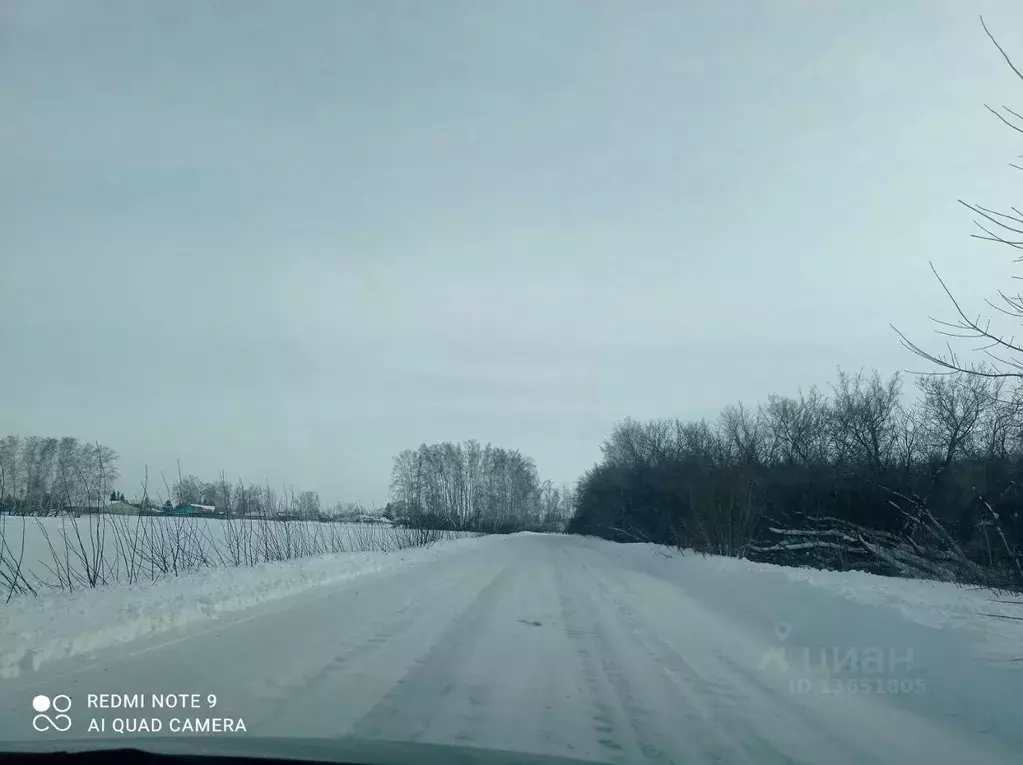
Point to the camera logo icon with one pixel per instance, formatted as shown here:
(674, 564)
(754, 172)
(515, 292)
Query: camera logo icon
(59, 722)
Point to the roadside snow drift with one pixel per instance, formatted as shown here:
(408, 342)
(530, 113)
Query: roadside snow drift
(37, 630)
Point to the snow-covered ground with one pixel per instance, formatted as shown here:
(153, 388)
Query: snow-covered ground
(548, 644)
(991, 619)
(50, 552)
(38, 630)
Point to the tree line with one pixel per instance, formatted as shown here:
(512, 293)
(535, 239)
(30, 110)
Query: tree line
(43, 475)
(49, 476)
(255, 500)
(250, 500)
(469, 487)
(856, 479)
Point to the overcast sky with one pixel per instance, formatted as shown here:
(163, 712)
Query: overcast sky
(288, 240)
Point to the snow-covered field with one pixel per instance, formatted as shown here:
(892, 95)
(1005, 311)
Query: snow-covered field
(547, 644)
(69, 554)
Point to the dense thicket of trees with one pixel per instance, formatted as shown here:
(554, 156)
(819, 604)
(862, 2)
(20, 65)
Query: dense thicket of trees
(856, 479)
(43, 475)
(474, 488)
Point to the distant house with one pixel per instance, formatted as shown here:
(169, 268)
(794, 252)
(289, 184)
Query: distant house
(120, 508)
(192, 510)
(366, 518)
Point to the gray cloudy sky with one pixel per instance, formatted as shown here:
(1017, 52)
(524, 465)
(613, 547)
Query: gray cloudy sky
(288, 240)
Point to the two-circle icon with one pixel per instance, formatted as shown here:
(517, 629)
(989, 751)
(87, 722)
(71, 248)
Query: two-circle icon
(60, 704)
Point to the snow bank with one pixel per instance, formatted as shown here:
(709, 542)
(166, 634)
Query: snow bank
(990, 623)
(34, 631)
(993, 618)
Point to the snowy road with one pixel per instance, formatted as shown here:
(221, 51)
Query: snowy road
(572, 647)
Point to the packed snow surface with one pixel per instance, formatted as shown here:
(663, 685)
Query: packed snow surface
(544, 644)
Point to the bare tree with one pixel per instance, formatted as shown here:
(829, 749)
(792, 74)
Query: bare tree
(1002, 352)
(865, 418)
(799, 428)
(743, 433)
(188, 490)
(9, 472)
(953, 406)
(308, 505)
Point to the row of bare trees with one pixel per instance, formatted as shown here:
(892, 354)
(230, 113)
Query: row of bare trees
(474, 488)
(71, 553)
(841, 480)
(50, 476)
(54, 534)
(40, 476)
(250, 500)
